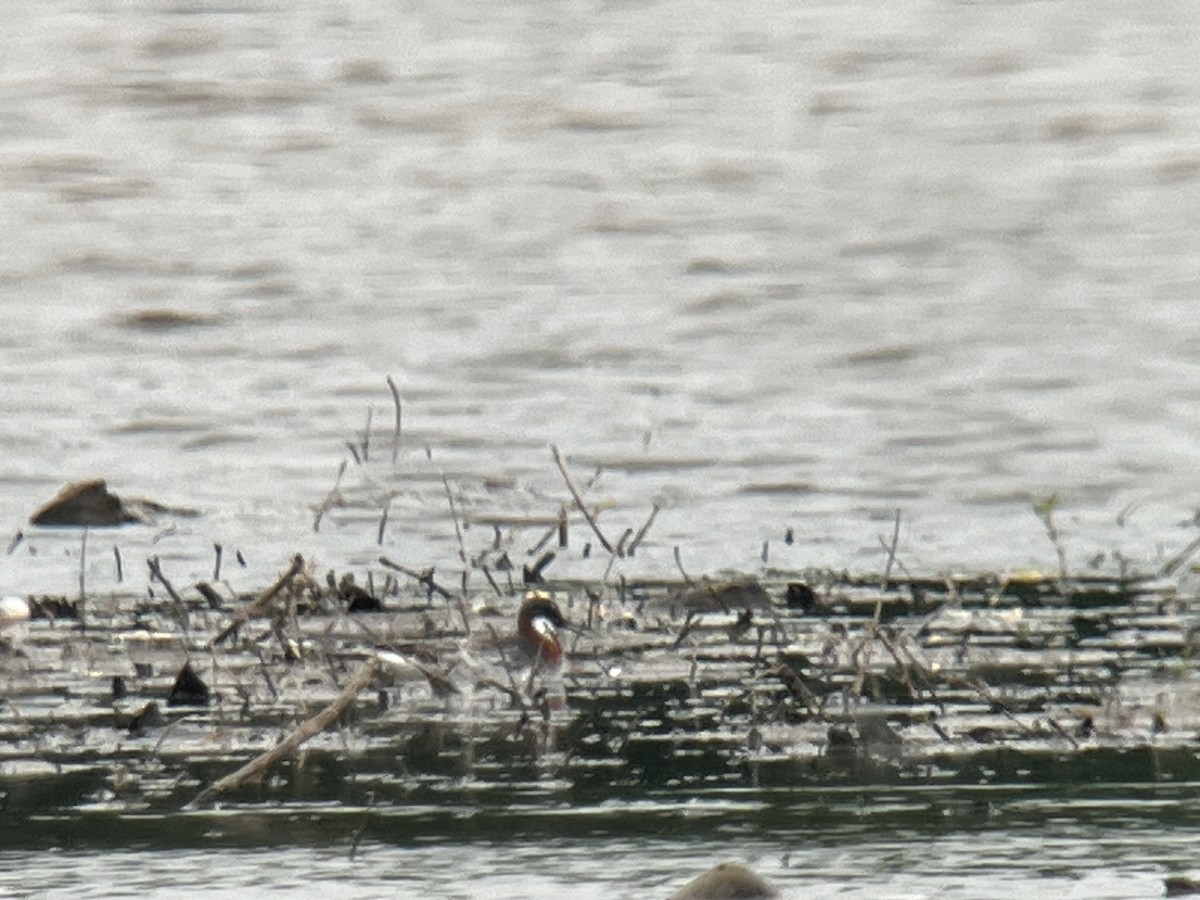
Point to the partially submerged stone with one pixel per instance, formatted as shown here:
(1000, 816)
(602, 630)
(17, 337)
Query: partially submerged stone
(727, 881)
(91, 503)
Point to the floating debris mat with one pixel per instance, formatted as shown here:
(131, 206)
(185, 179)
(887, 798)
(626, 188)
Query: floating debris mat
(150, 704)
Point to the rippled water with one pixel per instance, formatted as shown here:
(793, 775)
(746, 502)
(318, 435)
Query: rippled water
(789, 267)
(934, 844)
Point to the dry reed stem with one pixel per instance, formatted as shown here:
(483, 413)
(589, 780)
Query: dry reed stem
(396, 429)
(679, 564)
(891, 551)
(641, 532)
(562, 467)
(333, 498)
(426, 578)
(1179, 558)
(83, 565)
(181, 612)
(262, 604)
(366, 439)
(307, 729)
(462, 547)
(383, 519)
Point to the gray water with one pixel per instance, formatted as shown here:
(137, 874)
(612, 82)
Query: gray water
(792, 266)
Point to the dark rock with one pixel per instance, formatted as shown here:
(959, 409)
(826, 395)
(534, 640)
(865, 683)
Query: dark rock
(800, 596)
(189, 689)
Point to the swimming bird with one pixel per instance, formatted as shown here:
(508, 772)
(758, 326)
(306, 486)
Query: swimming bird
(538, 622)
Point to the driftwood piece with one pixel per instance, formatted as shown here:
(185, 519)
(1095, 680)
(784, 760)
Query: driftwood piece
(309, 728)
(260, 606)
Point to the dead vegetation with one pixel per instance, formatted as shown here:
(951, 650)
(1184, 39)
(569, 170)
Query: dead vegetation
(402, 676)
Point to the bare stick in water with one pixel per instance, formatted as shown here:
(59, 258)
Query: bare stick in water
(357, 836)
(1044, 510)
(83, 565)
(562, 467)
(462, 547)
(217, 549)
(637, 538)
(120, 569)
(425, 578)
(396, 430)
(156, 574)
(682, 571)
(891, 549)
(387, 504)
(366, 441)
(259, 606)
(307, 729)
(332, 499)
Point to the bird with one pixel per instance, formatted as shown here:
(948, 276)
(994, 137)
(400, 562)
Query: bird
(535, 643)
(538, 621)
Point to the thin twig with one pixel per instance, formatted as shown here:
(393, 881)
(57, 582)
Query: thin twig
(156, 573)
(259, 606)
(383, 518)
(891, 558)
(637, 538)
(679, 564)
(562, 467)
(396, 430)
(462, 547)
(357, 836)
(333, 498)
(83, 565)
(1179, 558)
(425, 578)
(366, 441)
